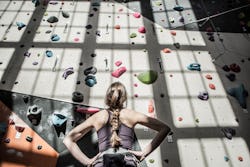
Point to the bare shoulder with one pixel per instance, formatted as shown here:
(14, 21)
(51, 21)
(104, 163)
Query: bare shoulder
(129, 117)
(100, 118)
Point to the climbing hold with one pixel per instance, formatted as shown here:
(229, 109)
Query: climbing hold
(20, 25)
(55, 37)
(7, 140)
(226, 158)
(180, 119)
(137, 15)
(90, 70)
(235, 68)
(117, 73)
(226, 68)
(181, 19)
(178, 8)
(27, 54)
(208, 76)
(148, 77)
(25, 99)
(89, 26)
(135, 85)
(151, 106)
(171, 19)
(142, 29)
(231, 76)
(58, 119)
(90, 80)
(240, 158)
(39, 147)
(93, 55)
(87, 110)
(95, 4)
(36, 2)
(228, 132)
(151, 161)
(194, 66)
(118, 63)
(203, 95)
(29, 139)
(197, 120)
(240, 93)
(211, 86)
(135, 95)
(34, 114)
(117, 27)
(166, 50)
(49, 53)
(52, 19)
(76, 39)
(67, 72)
(65, 14)
(77, 97)
(173, 33)
(35, 63)
(177, 45)
(133, 35)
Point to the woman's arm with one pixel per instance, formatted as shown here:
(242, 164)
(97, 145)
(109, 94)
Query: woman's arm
(74, 135)
(154, 124)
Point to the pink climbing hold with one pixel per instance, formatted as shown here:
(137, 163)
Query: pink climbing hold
(166, 50)
(136, 95)
(180, 119)
(135, 85)
(240, 158)
(137, 15)
(173, 33)
(212, 86)
(117, 73)
(142, 29)
(118, 63)
(76, 39)
(87, 110)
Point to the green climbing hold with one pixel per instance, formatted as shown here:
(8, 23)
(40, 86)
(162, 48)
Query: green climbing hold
(148, 77)
(151, 161)
(133, 35)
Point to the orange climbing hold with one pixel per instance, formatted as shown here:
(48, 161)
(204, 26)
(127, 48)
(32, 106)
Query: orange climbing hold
(212, 86)
(166, 50)
(117, 27)
(151, 106)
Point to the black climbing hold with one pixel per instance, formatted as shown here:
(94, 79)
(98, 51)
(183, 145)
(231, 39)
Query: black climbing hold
(166, 160)
(48, 31)
(231, 76)
(242, 60)
(177, 45)
(29, 139)
(2, 25)
(1, 63)
(91, 15)
(78, 82)
(91, 70)
(248, 59)
(89, 26)
(26, 99)
(80, 63)
(52, 19)
(21, 46)
(3, 82)
(16, 82)
(95, 9)
(32, 46)
(132, 43)
(226, 68)
(93, 55)
(39, 147)
(77, 97)
(29, 32)
(34, 19)
(162, 95)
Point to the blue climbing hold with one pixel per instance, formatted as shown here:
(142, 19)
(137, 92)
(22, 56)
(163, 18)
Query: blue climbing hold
(90, 80)
(178, 8)
(194, 66)
(49, 53)
(55, 37)
(20, 25)
(58, 119)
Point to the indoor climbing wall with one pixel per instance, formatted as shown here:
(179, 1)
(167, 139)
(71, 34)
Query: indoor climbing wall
(59, 52)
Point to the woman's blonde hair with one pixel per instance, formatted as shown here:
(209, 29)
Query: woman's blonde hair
(116, 96)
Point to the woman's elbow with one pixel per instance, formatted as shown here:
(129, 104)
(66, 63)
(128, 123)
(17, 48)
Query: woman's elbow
(166, 129)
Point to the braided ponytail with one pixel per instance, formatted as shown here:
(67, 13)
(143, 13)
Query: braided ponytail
(115, 122)
(115, 97)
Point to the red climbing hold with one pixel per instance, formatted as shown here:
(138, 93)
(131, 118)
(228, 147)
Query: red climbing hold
(173, 33)
(240, 158)
(180, 119)
(117, 27)
(208, 76)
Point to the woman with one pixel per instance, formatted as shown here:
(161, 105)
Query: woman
(115, 130)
